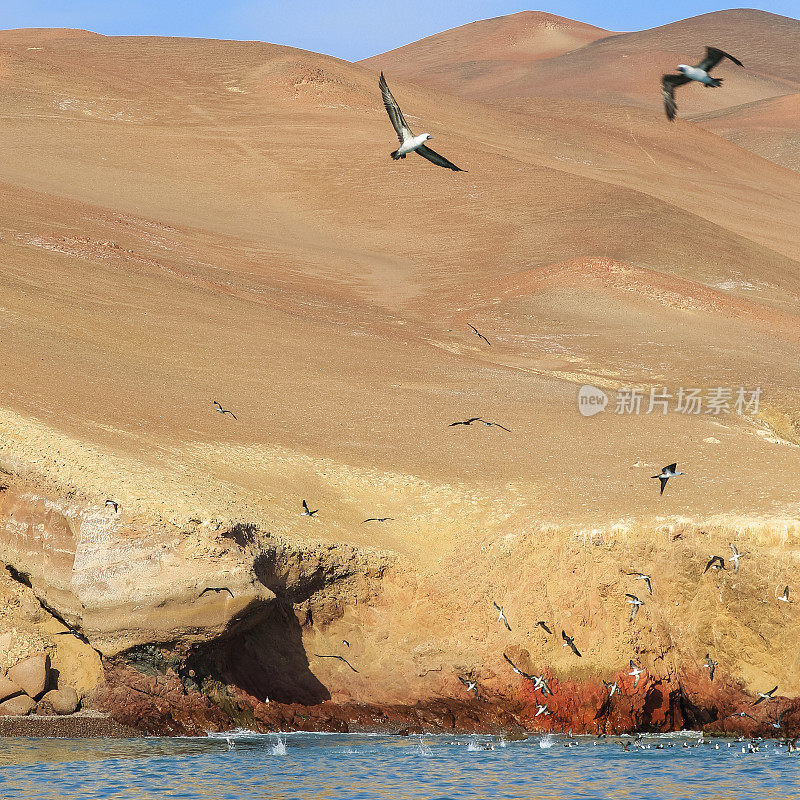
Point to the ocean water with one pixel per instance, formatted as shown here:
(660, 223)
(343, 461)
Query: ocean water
(354, 766)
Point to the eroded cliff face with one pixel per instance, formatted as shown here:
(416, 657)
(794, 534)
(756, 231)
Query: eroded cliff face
(197, 627)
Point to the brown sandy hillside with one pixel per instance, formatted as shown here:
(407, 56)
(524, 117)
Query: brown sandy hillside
(184, 221)
(622, 68)
(770, 128)
(483, 56)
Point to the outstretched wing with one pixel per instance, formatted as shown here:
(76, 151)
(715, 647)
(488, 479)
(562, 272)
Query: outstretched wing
(394, 112)
(435, 158)
(668, 84)
(714, 56)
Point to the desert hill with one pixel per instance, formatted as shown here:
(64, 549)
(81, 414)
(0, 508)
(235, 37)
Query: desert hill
(623, 68)
(479, 57)
(184, 221)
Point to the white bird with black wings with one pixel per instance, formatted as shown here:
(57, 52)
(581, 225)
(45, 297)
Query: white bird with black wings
(408, 142)
(699, 73)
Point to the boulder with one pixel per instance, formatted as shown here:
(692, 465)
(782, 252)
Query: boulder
(32, 674)
(59, 701)
(17, 706)
(8, 689)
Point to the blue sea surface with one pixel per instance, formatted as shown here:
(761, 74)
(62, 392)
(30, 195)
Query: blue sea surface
(307, 766)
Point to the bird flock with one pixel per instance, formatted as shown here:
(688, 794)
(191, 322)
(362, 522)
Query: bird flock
(636, 671)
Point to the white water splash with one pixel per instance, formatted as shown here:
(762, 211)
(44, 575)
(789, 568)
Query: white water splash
(424, 749)
(546, 742)
(279, 748)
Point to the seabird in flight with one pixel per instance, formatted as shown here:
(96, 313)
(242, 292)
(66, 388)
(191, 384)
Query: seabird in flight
(635, 672)
(518, 670)
(765, 696)
(715, 562)
(635, 602)
(465, 422)
(667, 473)
(612, 688)
(471, 686)
(735, 557)
(224, 410)
(501, 617)
(217, 590)
(495, 425)
(378, 519)
(543, 625)
(710, 665)
(785, 596)
(307, 512)
(345, 643)
(340, 658)
(542, 710)
(688, 74)
(776, 721)
(640, 576)
(540, 683)
(743, 714)
(114, 504)
(408, 142)
(569, 641)
(479, 334)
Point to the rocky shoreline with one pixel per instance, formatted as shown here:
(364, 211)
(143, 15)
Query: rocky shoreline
(166, 629)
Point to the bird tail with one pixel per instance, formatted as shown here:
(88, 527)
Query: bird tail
(715, 82)
(397, 155)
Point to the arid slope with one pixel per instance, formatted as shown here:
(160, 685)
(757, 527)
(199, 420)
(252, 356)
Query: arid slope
(184, 221)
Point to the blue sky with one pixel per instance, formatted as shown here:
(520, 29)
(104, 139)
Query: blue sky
(350, 29)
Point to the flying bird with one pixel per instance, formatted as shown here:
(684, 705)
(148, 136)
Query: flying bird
(542, 709)
(114, 504)
(408, 142)
(340, 658)
(765, 696)
(495, 425)
(540, 683)
(569, 641)
(776, 722)
(501, 617)
(479, 334)
(345, 643)
(612, 688)
(710, 665)
(518, 670)
(470, 686)
(735, 557)
(224, 410)
(217, 590)
(465, 422)
(307, 512)
(743, 714)
(635, 672)
(667, 473)
(640, 576)
(688, 74)
(542, 624)
(378, 519)
(715, 562)
(785, 596)
(636, 603)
